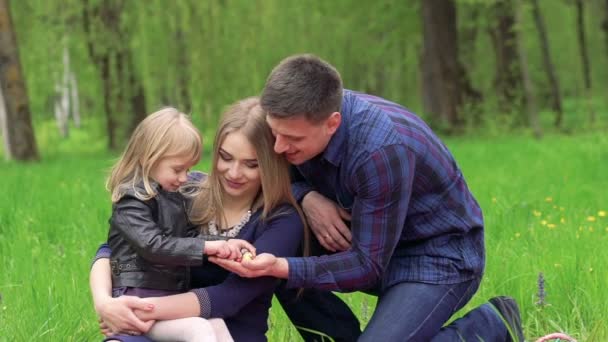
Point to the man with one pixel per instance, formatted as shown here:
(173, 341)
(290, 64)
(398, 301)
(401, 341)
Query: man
(385, 197)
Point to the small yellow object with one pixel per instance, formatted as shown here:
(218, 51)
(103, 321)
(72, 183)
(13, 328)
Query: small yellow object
(247, 256)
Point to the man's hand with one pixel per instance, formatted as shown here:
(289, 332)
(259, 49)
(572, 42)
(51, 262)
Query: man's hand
(325, 219)
(116, 315)
(264, 264)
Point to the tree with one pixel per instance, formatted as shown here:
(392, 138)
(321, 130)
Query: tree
(556, 99)
(529, 95)
(16, 119)
(108, 45)
(507, 78)
(605, 25)
(445, 83)
(582, 43)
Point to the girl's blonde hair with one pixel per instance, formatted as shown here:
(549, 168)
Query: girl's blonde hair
(248, 118)
(162, 134)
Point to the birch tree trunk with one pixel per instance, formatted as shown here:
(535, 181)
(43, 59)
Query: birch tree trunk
(4, 128)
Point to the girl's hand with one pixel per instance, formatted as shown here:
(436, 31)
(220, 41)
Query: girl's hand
(238, 247)
(231, 249)
(116, 315)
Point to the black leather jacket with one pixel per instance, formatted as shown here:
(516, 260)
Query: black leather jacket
(153, 242)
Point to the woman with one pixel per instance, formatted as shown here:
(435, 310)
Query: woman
(247, 196)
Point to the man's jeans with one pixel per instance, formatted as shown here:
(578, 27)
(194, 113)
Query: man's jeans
(405, 312)
(417, 312)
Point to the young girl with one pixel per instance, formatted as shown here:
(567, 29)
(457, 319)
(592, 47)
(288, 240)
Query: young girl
(152, 240)
(248, 195)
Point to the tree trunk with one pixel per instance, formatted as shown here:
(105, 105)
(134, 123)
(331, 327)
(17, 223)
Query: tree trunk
(108, 45)
(62, 98)
(605, 26)
(183, 78)
(74, 99)
(580, 29)
(527, 82)
(507, 79)
(4, 128)
(556, 99)
(19, 134)
(444, 79)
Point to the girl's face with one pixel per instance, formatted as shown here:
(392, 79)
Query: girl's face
(237, 167)
(172, 172)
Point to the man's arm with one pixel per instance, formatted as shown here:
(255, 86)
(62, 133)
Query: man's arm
(383, 187)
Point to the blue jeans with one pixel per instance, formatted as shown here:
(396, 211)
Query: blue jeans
(418, 311)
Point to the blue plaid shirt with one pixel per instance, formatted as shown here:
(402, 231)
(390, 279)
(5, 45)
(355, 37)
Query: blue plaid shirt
(413, 216)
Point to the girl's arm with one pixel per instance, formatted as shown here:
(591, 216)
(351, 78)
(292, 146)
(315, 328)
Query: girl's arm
(170, 307)
(133, 220)
(282, 237)
(116, 313)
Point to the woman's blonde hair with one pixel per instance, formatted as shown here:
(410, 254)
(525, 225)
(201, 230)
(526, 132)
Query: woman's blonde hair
(248, 118)
(162, 134)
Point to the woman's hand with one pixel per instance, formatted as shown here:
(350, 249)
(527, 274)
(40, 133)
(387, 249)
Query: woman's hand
(264, 264)
(117, 316)
(325, 219)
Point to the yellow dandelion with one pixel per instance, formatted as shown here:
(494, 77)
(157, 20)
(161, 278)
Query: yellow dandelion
(591, 218)
(606, 229)
(562, 220)
(536, 213)
(601, 213)
(551, 226)
(543, 222)
(549, 199)
(517, 235)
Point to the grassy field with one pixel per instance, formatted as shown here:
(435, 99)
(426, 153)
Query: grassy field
(545, 205)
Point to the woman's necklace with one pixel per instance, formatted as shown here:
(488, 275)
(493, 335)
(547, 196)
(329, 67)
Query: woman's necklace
(232, 231)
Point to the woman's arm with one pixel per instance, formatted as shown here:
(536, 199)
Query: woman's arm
(282, 237)
(116, 313)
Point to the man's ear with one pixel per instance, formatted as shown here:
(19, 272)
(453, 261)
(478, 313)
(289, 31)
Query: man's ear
(333, 122)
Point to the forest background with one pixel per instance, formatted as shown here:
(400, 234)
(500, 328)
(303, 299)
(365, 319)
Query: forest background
(516, 88)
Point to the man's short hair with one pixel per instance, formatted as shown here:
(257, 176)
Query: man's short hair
(303, 85)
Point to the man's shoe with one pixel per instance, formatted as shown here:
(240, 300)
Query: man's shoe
(507, 308)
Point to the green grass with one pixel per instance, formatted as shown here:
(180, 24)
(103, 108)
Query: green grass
(542, 201)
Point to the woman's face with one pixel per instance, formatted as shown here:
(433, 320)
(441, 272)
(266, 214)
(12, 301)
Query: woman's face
(237, 167)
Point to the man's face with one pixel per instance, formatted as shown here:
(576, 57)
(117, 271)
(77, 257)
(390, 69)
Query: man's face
(299, 139)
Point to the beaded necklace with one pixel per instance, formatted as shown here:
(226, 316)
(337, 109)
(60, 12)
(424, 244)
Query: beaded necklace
(232, 231)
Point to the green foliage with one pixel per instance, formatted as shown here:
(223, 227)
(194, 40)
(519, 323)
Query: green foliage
(544, 205)
(202, 55)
